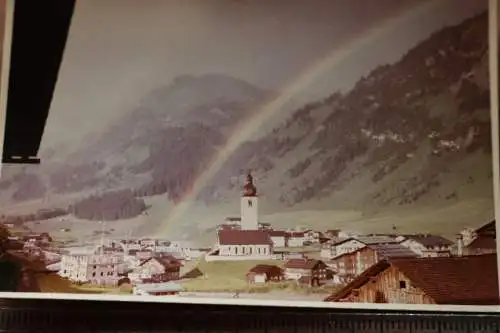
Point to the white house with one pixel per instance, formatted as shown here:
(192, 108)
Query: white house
(296, 238)
(96, 269)
(349, 245)
(279, 238)
(428, 245)
(312, 235)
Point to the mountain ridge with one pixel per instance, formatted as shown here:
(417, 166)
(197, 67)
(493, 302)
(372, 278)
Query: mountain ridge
(412, 133)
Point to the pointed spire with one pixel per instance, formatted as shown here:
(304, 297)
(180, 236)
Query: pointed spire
(249, 189)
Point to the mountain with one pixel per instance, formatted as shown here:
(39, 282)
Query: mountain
(158, 148)
(415, 133)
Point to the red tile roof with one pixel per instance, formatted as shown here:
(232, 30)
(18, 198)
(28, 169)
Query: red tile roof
(244, 237)
(446, 280)
(303, 263)
(278, 233)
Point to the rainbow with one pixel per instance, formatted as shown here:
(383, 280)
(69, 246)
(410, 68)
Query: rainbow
(248, 127)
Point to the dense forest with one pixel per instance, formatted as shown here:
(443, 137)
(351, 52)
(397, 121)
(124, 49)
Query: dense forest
(113, 205)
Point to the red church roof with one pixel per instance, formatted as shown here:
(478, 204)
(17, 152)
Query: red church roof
(244, 237)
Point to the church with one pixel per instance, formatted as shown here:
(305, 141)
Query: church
(248, 242)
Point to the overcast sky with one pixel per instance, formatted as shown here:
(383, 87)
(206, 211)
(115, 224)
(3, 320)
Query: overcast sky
(119, 50)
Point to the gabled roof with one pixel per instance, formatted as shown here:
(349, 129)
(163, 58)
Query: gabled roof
(384, 251)
(487, 229)
(303, 263)
(430, 241)
(266, 269)
(370, 240)
(345, 240)
(446, 280)
(165, 261)
(244, 237)
(483, 242)
(388, 251)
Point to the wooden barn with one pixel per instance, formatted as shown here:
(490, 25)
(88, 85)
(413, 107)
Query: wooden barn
(264, 273)
(444, 280)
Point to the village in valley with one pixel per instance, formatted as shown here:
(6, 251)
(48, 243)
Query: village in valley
(250, 259)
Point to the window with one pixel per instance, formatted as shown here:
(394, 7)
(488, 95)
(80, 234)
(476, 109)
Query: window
(93, 274)
(402, 284)
(250, 203)
(102, 273)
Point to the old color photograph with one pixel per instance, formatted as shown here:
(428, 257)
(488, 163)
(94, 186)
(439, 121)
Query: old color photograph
(322, 150)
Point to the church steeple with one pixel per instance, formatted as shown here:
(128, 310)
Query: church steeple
(249, 189)
(249, 208)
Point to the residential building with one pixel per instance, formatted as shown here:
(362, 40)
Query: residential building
(279, 238)
(155, 270)
(428, 245)
(331, 250)
(479, 241)
(468, 280)
(349, 265)
(264, 273)
(312, 271)
(296, 238)
(98, 269)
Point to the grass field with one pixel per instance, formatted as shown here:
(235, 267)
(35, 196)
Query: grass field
(230, 276)
(224, 276)
(53, 283)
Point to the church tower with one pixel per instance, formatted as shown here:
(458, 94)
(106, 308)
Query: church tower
(249, 208)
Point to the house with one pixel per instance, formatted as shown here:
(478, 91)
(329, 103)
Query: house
(157, 289)
(97, 269)
(296, 238)
(156, 269)
(349, 265)
(481, 245)
(429, 280)
(377, 239)
(285, 254)
(312, 236)
(264, 273)
(428, 245)
(279, 238)
(333, 249)
(39, 239)
(333, 233)
(479, 241)
(311, 270)
(246, 244)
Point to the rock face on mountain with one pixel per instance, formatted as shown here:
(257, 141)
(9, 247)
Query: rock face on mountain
(415, 131)
(409, 133)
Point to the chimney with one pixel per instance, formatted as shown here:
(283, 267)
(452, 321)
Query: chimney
(460, 245)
